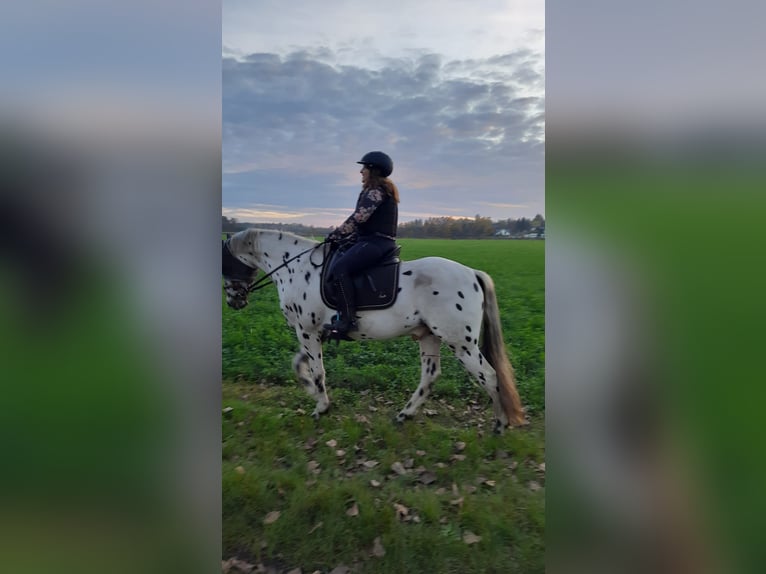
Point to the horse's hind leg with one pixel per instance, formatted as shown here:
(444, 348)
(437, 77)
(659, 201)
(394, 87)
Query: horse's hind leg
(475, 363)
(430, 369)
(309, 367)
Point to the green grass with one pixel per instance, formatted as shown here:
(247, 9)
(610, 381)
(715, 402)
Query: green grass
(265, 458)
(259, 346)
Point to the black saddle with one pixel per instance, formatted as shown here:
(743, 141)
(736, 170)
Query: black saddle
(374, 288)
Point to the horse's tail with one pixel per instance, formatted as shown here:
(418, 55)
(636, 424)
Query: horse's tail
(493, 349)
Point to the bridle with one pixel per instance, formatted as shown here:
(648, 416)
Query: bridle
(266, 279)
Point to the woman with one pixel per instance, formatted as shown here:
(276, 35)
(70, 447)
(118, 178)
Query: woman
(371, 233)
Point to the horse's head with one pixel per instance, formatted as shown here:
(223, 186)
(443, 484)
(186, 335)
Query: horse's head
(237, 278)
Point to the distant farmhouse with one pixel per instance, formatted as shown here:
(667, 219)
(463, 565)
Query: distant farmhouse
(534, 233)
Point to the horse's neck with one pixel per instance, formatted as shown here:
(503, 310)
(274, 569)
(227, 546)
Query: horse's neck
(276, 247)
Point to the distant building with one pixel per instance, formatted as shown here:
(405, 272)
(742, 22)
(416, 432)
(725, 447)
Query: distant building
(503, 233)
(536, 233)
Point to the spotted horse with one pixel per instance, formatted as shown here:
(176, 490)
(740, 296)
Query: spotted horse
(439, 300)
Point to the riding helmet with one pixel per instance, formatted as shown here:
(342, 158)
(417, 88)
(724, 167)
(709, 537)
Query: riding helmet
(378, 160)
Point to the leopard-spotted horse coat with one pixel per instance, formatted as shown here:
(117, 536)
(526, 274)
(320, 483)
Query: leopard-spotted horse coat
(440, 300)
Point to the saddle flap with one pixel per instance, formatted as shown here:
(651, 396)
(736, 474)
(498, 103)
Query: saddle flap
(375, 288)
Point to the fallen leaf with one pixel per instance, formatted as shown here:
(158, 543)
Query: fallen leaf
(313, 465)
(416, 519)
(227, 410)
(534, 485)
(455, 490)
(460, 446)
(353, 511)
(441, 465)
(470, 538)
(272, 517)
(310, 444)
(340, 570)
(316, 526)
(441, 490)
(490, 483)
(409, 463)
(541, 466)
(456, 502)
(361, 419)
(401, 510)
(373, 409)
(300, 411)
(469, 488)
(237, 565)
(398, 468)
(374, 483)
(458, 457)
(240, 470)
(420, 452)
(430, 412)
(332, 443)
(370, 463)
(295, 571)
(377, 548)
(339, 453)
(420, 470)
(427, 478)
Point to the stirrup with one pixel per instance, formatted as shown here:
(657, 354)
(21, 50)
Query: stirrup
(338, 330)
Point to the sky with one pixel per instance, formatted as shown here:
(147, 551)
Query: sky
(452, 90)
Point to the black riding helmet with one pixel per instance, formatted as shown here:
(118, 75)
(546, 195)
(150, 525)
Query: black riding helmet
(379, 161)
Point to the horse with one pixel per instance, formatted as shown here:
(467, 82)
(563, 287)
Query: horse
(439, 300)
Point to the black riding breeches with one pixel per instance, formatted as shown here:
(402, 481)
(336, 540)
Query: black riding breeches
(365, 253)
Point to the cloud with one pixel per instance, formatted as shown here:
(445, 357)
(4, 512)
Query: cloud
(295, 124)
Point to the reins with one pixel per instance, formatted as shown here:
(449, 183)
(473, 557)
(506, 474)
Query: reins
(266, 279)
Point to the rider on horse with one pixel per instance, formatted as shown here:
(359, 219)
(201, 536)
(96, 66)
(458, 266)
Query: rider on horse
(367, 235)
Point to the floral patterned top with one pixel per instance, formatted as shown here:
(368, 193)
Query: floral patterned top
(369, 200)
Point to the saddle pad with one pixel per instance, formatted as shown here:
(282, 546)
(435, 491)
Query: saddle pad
(374, 288)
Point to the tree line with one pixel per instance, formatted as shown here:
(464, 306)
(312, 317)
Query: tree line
(466, 228)
(435, 227)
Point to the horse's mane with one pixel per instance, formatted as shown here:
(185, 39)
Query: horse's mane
(284, 234)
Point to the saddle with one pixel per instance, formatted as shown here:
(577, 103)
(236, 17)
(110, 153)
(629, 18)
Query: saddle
(374, 288)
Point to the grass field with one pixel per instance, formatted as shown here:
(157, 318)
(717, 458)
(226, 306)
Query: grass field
(439, 494)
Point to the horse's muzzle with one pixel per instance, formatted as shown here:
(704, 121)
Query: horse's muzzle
(237, 303)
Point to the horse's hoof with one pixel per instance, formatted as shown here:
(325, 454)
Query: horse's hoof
(317, 413)
(499, 428)
(400, 418)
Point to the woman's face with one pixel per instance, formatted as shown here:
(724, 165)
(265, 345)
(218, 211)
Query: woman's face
(365, 174)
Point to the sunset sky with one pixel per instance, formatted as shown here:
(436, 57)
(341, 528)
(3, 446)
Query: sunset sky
(453, 91)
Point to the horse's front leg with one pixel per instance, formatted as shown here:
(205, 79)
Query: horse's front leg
(309, 367)
(430, 369)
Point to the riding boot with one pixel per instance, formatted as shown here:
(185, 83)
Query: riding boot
(344, 287)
